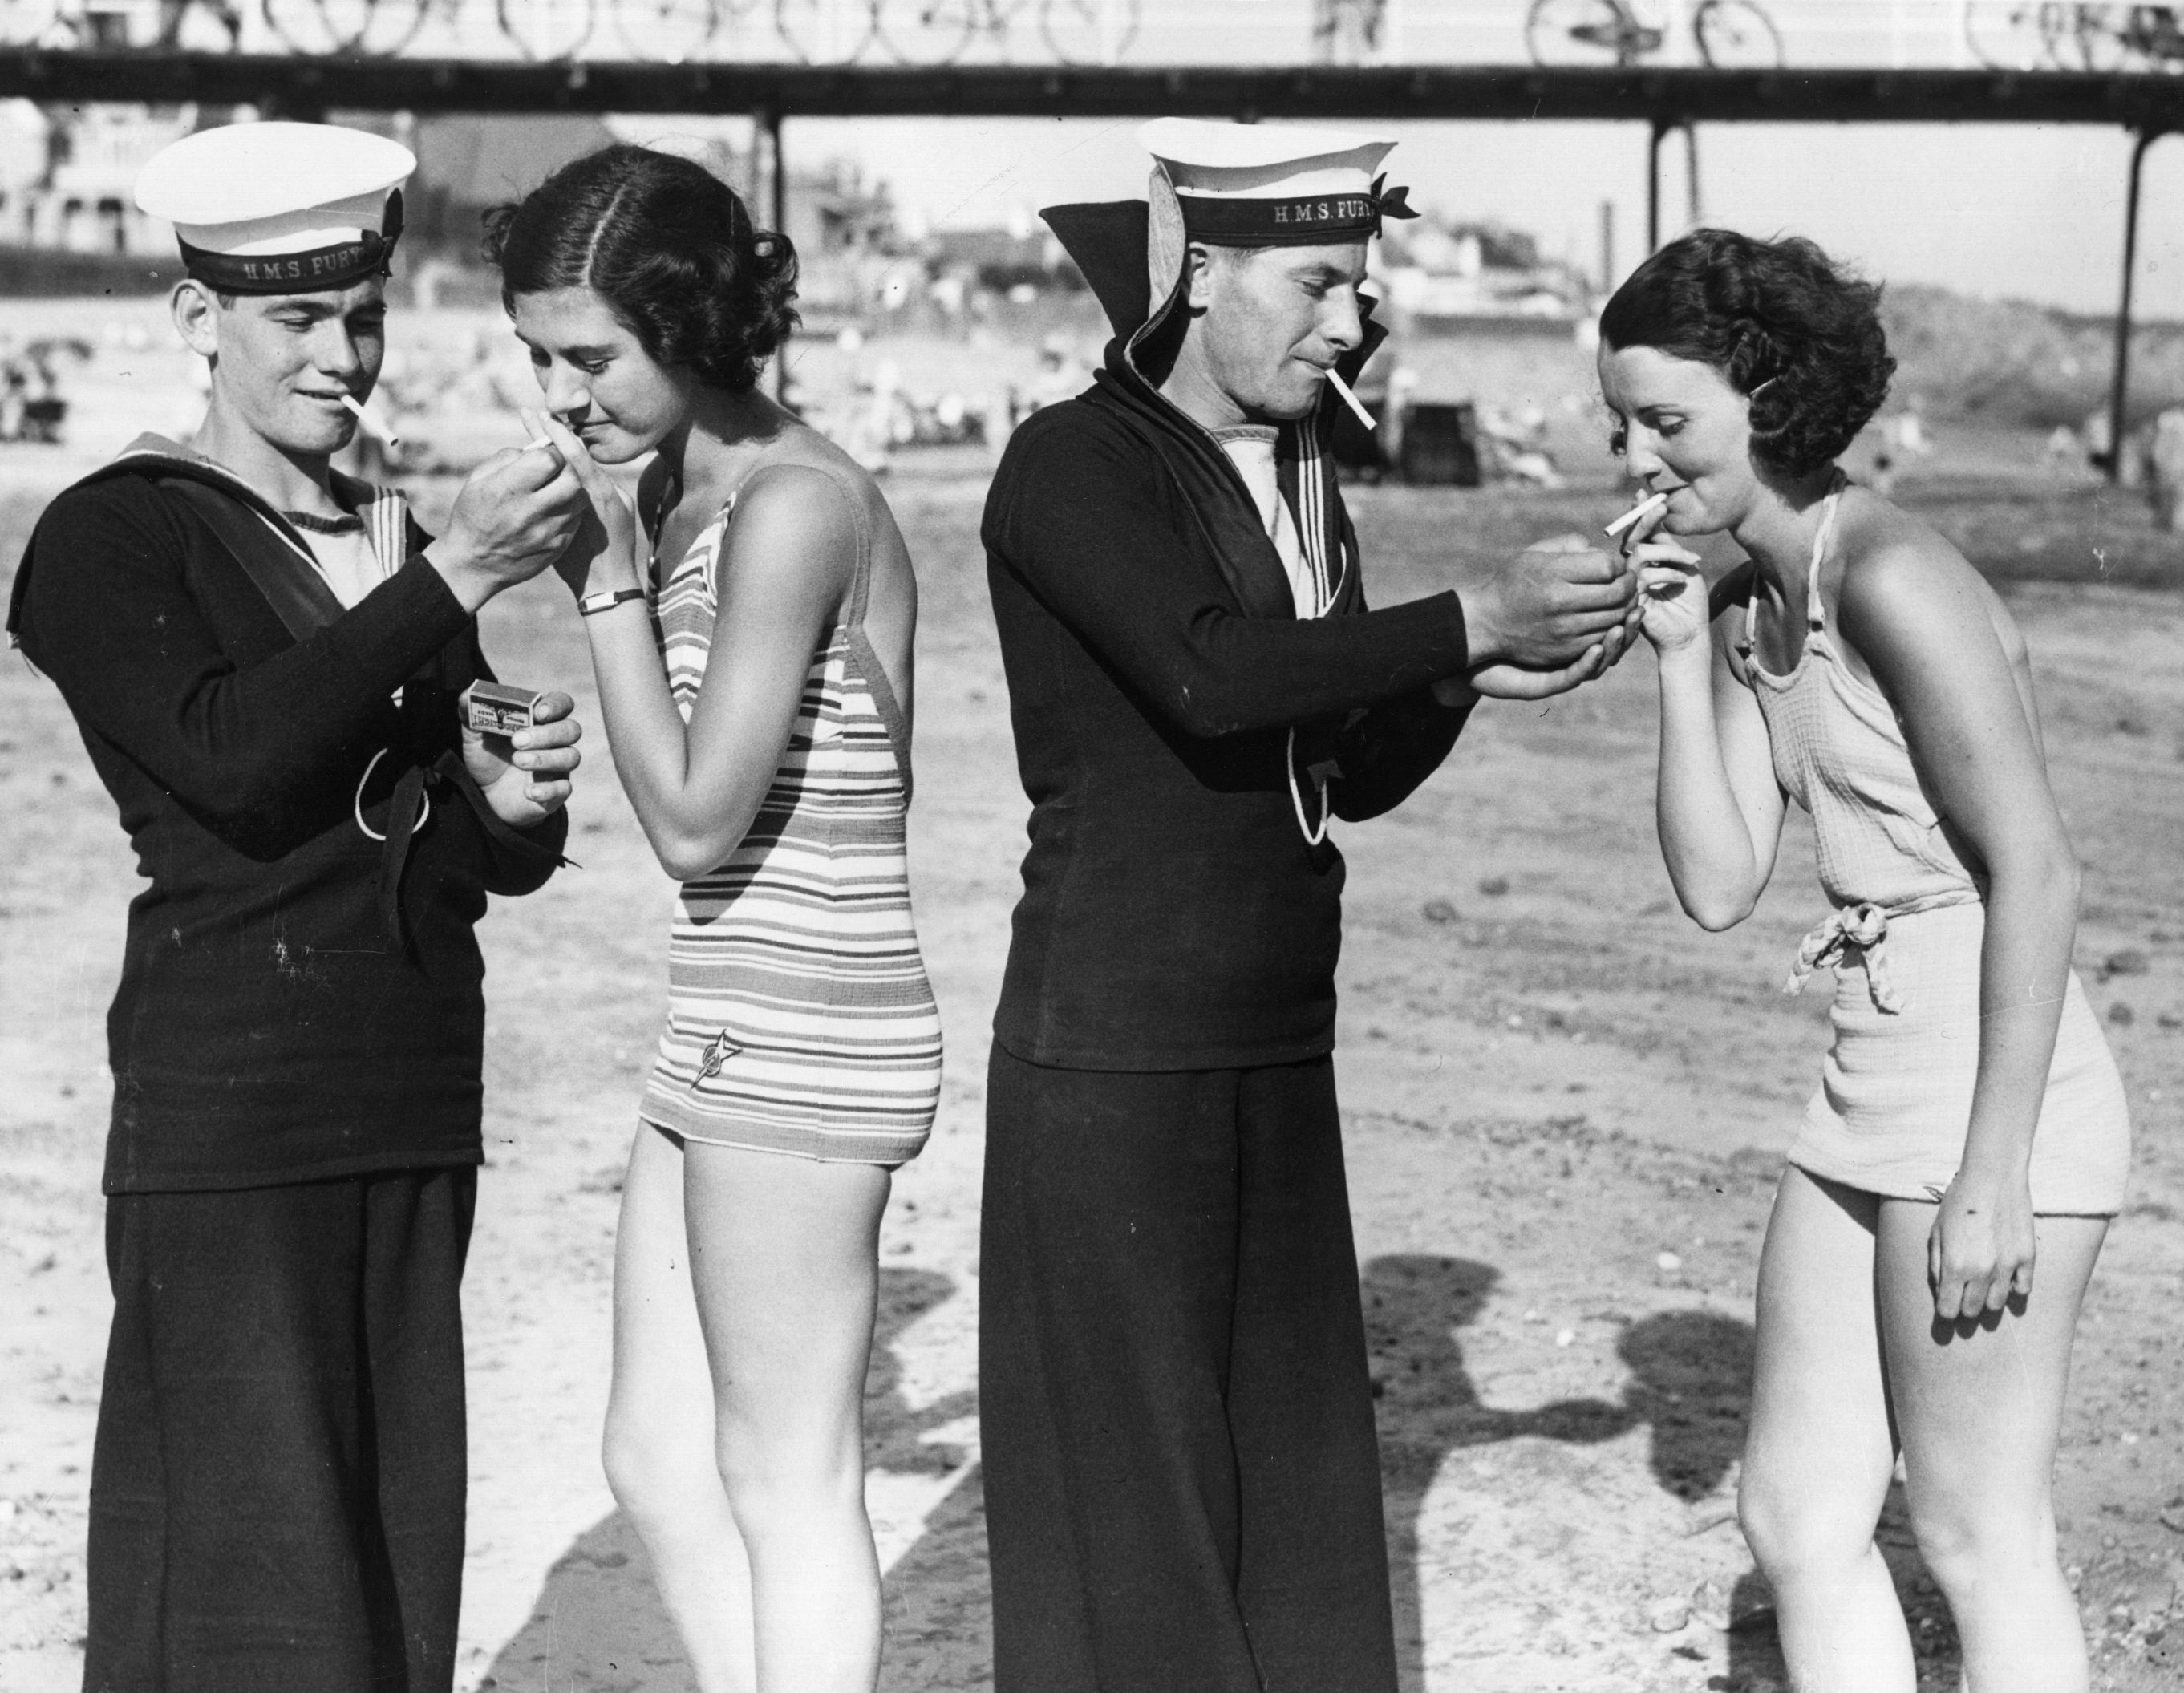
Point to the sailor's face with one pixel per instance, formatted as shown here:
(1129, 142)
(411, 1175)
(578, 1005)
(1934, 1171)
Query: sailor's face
(282, 362)
(1274, 320)
(615, 397)
(1680, 430)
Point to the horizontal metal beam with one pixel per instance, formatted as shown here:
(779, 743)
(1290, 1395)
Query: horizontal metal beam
(1671, 96)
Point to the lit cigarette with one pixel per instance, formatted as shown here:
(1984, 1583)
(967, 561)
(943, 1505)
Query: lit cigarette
(538, 441)
(1645, 508)
(1350, 400)
(371, 424)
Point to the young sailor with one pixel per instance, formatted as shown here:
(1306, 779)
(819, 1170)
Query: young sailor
(266, 659)
(1181, 1473)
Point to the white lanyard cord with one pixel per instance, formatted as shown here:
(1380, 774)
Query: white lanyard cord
(1312, 837)
(424, 801)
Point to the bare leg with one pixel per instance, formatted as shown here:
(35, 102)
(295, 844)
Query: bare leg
(784, 1260)
(1821, 1452)
(660, 1440)
(1980, 1407)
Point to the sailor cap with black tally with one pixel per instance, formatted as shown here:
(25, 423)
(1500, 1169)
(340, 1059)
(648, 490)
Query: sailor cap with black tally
(279, 208)
(1273, 185)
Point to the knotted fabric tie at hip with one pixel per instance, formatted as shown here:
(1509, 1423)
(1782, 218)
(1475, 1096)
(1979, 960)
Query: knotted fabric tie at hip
(1853, 935)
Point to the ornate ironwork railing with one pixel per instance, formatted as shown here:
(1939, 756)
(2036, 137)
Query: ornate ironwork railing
(813, 31)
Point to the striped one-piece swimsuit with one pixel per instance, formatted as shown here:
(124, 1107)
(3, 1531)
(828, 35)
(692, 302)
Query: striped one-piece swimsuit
(800, 1017)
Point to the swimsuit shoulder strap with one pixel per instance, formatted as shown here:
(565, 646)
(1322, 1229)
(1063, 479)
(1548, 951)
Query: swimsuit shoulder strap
(1815, 614)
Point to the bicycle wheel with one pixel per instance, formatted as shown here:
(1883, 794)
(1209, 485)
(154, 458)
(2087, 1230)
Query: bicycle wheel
(667, 31)
(2008, 35)
(34, 22)
(1735, 34)
(927, 31)
(546, 29)
(2098, 37)
(825, 31)
(370, 29)
(1087, 31)
(1585, 32)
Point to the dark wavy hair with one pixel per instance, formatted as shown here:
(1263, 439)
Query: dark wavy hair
(668, 246)
(1780, 320)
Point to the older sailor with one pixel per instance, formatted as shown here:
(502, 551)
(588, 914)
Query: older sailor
(267, 661)
(1181, 1473)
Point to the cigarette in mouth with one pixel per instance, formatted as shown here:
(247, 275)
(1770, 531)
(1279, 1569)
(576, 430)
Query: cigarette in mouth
(1350, 400)
(1645, 508)
(370, 422)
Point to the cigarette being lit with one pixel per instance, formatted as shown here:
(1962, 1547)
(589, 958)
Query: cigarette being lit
(1645, 508)
(371, 421)
(1350, 400)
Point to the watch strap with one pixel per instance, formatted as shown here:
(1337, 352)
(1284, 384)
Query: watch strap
(591, 605)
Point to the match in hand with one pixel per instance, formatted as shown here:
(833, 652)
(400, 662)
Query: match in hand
(1645, 508)
(1351, 400)
(372, 426)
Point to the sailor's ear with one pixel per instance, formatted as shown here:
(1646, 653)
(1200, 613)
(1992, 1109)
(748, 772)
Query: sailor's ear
(195, 309)
(1197, 276)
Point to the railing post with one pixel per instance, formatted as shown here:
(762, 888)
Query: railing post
(770, 121)
(2120, 384)
(1691, 173)
(1653, 184)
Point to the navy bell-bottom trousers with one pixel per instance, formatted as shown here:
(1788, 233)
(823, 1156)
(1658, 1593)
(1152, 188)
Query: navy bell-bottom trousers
(1182, 1477)
(277, 1488)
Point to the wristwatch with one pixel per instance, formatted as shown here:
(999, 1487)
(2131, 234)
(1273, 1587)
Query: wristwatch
(605, 600)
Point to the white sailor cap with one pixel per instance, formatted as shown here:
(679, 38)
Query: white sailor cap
(1273, 185)
(280, 208)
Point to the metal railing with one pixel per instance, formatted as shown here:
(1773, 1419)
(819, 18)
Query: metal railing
(2010, 35)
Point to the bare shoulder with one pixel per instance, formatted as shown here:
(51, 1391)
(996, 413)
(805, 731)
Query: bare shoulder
(1899, 584)
(795, 529)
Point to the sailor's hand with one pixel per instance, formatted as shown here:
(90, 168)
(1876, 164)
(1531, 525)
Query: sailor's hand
(515, 513)
(525, 777)
(604, 555)
(1546, 609)
(1514, 681)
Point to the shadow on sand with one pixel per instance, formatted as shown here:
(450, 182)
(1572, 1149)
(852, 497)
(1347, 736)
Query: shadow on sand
(1690, 1373)
(598, 1626)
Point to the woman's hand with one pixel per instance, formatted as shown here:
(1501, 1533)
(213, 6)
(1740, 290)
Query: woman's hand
(1980, 1254)
(1671, 594)
(605, 554)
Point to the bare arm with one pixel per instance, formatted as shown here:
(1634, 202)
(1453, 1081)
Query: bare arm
(785, 568)
(1718, 807)
(1924, 623)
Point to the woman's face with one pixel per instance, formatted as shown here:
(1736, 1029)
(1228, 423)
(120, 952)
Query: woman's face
(596, 375)
(1682, 430)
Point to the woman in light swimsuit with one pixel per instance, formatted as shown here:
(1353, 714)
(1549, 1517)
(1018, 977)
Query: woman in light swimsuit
(1969, 1129)
(750, 625)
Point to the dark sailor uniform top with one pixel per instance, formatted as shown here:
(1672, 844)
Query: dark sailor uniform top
(1175, 719)
(297, 999)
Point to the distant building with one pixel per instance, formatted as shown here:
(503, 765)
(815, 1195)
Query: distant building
(1432, 269)
(67, 178)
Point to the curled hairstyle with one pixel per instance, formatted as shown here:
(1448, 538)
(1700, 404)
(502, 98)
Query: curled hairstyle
(668, 246)
(1780, 321)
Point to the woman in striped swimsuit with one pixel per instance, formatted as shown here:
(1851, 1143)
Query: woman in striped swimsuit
(1951, 1186)
(755, 684)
